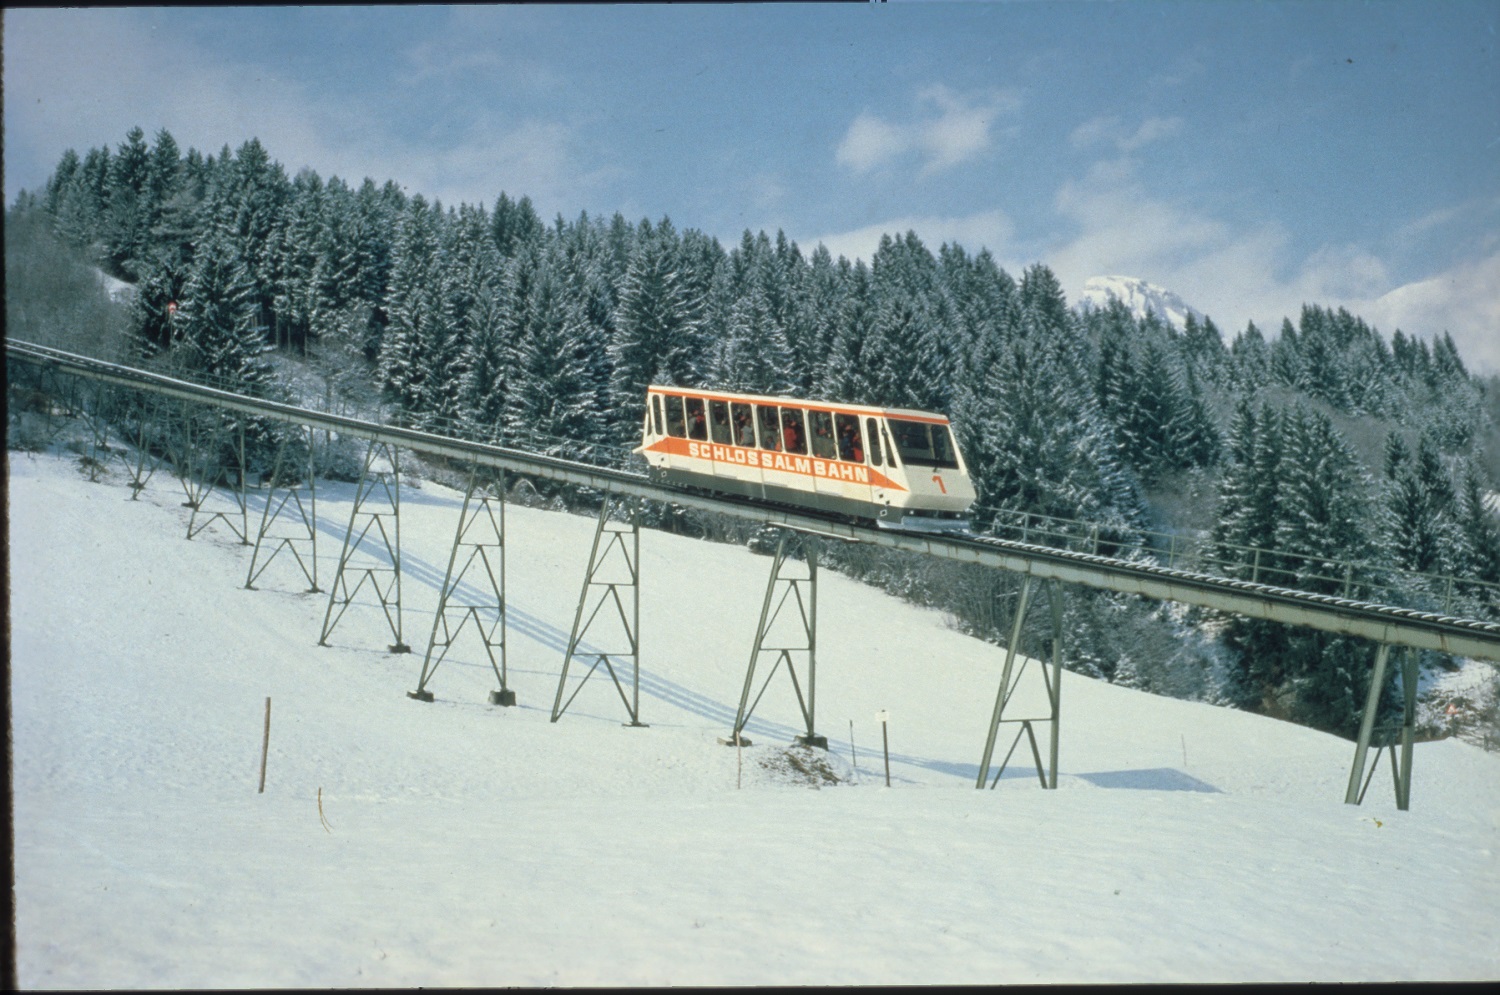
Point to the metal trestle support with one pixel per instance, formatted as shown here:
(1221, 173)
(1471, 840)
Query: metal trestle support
(1010, 680)
(614, 567)
(199, 454)
(1386, 737)
(139, 411)
(286, 488)
(377, 503)
(787, 630)
(478, 552)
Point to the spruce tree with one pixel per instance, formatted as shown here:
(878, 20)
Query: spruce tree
(127, 221)
(413, 307)
(553, 401)
(216, 333)
(658, 326)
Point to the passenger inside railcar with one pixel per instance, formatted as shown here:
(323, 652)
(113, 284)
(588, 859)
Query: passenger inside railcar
(719, 421)
(676, 425)
(822, 434)
(851, 447)
(770, 437)
(697, 426)
(744, 427)
(791, 431)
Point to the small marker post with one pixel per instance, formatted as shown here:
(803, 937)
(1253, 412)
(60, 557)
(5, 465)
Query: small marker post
(265, 746)
(882, 717)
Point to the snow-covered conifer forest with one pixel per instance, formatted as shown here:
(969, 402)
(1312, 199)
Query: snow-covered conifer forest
(1325, 440)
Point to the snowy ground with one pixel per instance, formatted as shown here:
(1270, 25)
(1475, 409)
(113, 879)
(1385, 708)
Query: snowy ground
(464, 844)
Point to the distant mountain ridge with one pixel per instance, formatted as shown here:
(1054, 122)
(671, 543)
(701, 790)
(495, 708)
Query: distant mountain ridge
(1140, 297)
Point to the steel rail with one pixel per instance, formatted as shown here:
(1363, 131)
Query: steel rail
(1382, 623)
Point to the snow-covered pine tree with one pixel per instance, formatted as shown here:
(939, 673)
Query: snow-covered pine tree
(293, 260)
(552, 406)
(1249, 361)
(413, 306)
(1417, 508)
(216, 332)
(909, 355)
(57, 184)
(245, 201)
(515, 225)
(842, 377)
(584, 261)
(1324, 521)
(470, 264)
(658, 326)
(815, 314)
(81, 203)
(1036, 441)
(127, 220)
(754, 356)
(485, 384)
(158, 291)
(1479, 530)
(1323, 507)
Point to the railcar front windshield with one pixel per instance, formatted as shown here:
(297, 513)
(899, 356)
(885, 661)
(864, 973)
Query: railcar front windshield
(923, 444)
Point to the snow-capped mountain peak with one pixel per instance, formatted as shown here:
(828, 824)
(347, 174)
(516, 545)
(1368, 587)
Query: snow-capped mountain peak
(1140, 297)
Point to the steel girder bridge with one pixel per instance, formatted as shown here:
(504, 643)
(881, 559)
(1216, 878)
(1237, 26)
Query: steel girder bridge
(202, 451)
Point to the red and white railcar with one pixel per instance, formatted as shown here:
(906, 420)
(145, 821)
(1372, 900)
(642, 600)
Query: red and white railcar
(895, 466)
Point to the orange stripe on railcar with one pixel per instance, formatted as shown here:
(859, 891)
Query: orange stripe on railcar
(807, 466)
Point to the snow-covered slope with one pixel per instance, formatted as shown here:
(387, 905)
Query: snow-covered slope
(455, 843)
(1140, 297)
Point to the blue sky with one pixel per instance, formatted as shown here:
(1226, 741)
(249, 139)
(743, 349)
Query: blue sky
(1250, 156)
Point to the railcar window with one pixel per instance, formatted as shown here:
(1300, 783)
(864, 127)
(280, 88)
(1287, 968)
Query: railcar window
(770, 437)
(874, 441)
(697, 423)
(744, 426)
(718, 421)
(676, 424)
(791, 431)
(918, 446)
(942, 446)
(656, 411)
(822, 434)
(851, 444)
(890, 450)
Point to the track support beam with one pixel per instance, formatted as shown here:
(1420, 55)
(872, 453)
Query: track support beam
(613, 578)
(286, 486)
(198, 458)
(792, 601)
(377, 502)
(1010, 679)
(1389, 736)
(479, 555)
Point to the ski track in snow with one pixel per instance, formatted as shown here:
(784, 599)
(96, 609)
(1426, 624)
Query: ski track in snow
(472, 845)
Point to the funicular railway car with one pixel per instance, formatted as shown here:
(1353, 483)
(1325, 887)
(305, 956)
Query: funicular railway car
(896, 467)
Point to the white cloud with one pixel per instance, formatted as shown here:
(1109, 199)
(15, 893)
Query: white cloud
(1464, 301)
(1110, 130)
(1151, 130)
(871, 142)
(948, 129)
(1236, 276)
(991, 230)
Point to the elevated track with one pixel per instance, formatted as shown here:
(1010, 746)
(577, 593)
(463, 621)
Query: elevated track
(1389, 624)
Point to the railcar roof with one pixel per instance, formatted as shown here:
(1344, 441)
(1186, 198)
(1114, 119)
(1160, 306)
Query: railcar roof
(863, 409)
